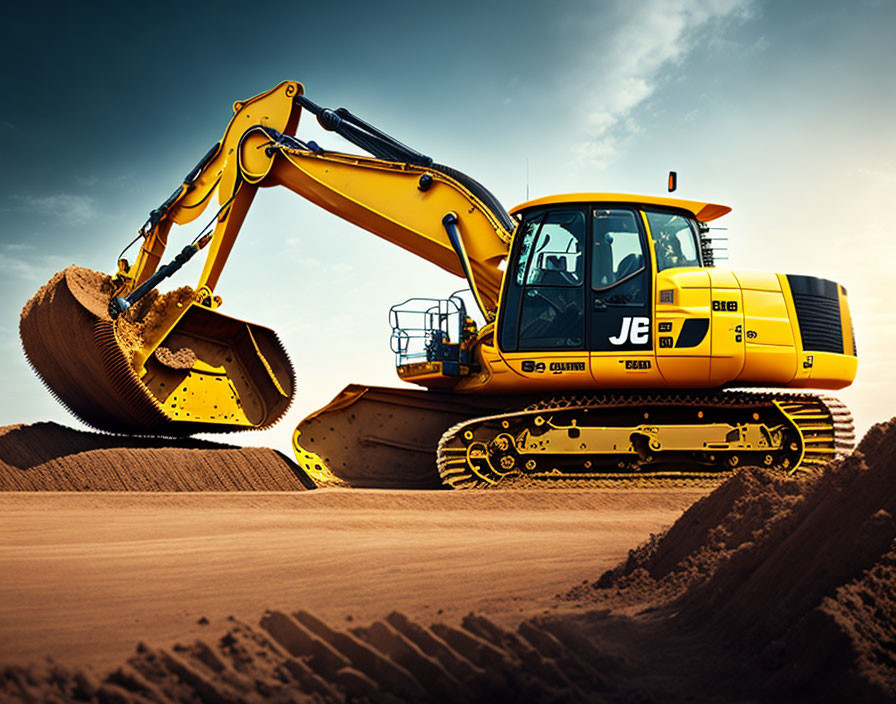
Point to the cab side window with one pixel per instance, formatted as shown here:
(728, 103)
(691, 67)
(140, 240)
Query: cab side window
(675, 240)
(551, 273)
(618, 263)
(558, 259)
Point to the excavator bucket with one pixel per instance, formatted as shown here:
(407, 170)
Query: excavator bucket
(168, 367)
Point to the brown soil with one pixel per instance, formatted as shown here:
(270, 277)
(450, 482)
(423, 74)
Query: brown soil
(299, 658)
(93, 290)
(49, 457)
(184, 358)
(766, 589)
(157, 312)
(84, 576)
(804, 573)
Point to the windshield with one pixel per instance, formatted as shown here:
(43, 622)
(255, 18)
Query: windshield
(675, 240)
(557, 259)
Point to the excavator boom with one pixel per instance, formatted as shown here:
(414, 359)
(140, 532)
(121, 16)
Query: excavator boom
(141, 363)
(397, 193)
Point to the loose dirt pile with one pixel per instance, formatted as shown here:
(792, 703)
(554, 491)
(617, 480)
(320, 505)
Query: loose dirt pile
(50, 457)
(767, 589)
(799, 577)
(183, 358)
(145, 321)
(741, 511)
(93, 290)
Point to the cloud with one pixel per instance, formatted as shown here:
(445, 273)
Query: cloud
(629, 61)
(62, 205)
(294, 249)
(38, 269)
(16, 268)
(18, 247)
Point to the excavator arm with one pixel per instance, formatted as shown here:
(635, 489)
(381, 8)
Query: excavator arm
(174, 364)
(397, 193)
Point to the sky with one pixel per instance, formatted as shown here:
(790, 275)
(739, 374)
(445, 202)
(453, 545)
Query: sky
(782, 110)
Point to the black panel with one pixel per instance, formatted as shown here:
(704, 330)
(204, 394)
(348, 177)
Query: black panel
(813, 286)
(818, 313)
(621, 313)
(552, 317)
(693, 331)
(507, 322)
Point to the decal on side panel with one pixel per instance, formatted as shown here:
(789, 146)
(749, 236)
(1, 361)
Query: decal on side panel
(635, 330)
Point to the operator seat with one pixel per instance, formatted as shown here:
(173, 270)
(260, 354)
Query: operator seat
(553, 272)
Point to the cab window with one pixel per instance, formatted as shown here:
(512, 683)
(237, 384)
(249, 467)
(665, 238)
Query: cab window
(675, 240)
(618, 252)
(618, 261)
(527, 237)
(557, 258)
(552, 304)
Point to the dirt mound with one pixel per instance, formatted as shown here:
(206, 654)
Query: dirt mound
(745, 509)
(93, 290)
(799, 576)
(50, 457)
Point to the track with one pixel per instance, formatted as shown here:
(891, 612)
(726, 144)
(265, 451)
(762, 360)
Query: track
(558, 440)
(384, 438)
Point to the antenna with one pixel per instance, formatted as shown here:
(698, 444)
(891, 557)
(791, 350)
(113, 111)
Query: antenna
(527, 178)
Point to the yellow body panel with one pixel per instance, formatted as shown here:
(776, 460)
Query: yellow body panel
(702, 211)
(727, 335)
(752, 339)
(690, 299)
(849, 339)
(383, 198)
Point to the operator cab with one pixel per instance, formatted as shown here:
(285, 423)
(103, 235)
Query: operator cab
(580, 277)
(607, 248)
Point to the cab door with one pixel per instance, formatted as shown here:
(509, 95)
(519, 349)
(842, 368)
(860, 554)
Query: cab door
(542, 328)
(621, 300)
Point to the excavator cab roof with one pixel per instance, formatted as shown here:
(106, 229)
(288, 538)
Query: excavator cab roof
(702, 211)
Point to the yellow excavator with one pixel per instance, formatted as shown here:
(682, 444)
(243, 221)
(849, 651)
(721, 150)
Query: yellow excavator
(611, 345)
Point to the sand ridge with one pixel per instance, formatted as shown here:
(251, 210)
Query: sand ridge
(50, 457)
(297, 657)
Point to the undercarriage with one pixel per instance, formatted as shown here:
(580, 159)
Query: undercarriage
(398, 438)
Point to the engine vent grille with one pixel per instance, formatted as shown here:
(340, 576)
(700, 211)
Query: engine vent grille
(818, 313)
